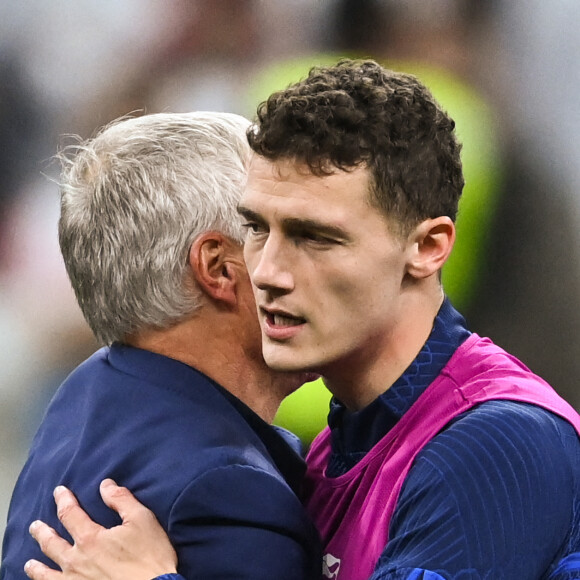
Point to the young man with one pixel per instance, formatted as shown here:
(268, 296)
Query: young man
(177, 406)
(445, 457)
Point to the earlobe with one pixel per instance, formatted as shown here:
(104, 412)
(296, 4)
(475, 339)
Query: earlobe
(431, 243)
(209, 259)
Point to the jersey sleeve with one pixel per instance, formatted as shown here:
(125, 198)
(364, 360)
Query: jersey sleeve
(242, 522)
(568, 568)
(492, 496)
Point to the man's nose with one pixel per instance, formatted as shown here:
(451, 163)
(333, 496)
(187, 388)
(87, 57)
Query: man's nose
(273, 267)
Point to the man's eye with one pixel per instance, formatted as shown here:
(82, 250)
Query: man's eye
(252, 227)
(316, 238)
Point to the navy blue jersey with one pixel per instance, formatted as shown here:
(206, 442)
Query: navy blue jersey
(497, 490)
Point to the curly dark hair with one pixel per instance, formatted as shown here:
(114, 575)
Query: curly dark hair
(357, 112)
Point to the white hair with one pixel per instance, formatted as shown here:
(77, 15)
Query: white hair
(133, 199)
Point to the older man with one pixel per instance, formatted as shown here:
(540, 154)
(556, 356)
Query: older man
(177, 406)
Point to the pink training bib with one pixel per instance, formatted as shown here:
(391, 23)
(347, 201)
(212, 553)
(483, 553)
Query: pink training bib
(353, 511)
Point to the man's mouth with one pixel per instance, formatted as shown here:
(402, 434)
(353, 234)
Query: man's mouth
(283, 319)
(281, 326)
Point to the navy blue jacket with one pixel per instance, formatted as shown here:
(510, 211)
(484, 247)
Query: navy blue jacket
(221, 481)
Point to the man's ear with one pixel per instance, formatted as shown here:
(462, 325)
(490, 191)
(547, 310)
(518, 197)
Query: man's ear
(211, 258)
(430, 244)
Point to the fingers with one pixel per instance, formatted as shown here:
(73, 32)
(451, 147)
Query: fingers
(50, 543)
(38, 571)
(72, 516)
(122, 501)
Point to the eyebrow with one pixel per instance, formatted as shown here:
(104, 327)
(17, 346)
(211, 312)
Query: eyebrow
(296, 224)
(248, 213)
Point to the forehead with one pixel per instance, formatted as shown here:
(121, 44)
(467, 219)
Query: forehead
(285, 185)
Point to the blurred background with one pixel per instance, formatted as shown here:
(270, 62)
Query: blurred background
(507, 70)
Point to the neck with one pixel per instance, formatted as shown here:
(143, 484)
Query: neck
(218, 345)
(368, 373)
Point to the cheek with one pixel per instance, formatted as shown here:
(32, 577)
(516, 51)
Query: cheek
(364, 290)
(248, 259)
(344, 294)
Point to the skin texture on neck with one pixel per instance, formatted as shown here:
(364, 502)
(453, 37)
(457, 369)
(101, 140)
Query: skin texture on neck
(207, 344)
(358, 385)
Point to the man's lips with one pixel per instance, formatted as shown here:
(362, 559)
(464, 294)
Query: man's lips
(280, 325)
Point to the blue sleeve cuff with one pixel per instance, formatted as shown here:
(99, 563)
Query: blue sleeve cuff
(169, 577)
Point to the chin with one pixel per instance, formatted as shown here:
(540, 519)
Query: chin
(290, 364)
(281, 366)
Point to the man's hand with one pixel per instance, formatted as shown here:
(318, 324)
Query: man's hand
(138, 549)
